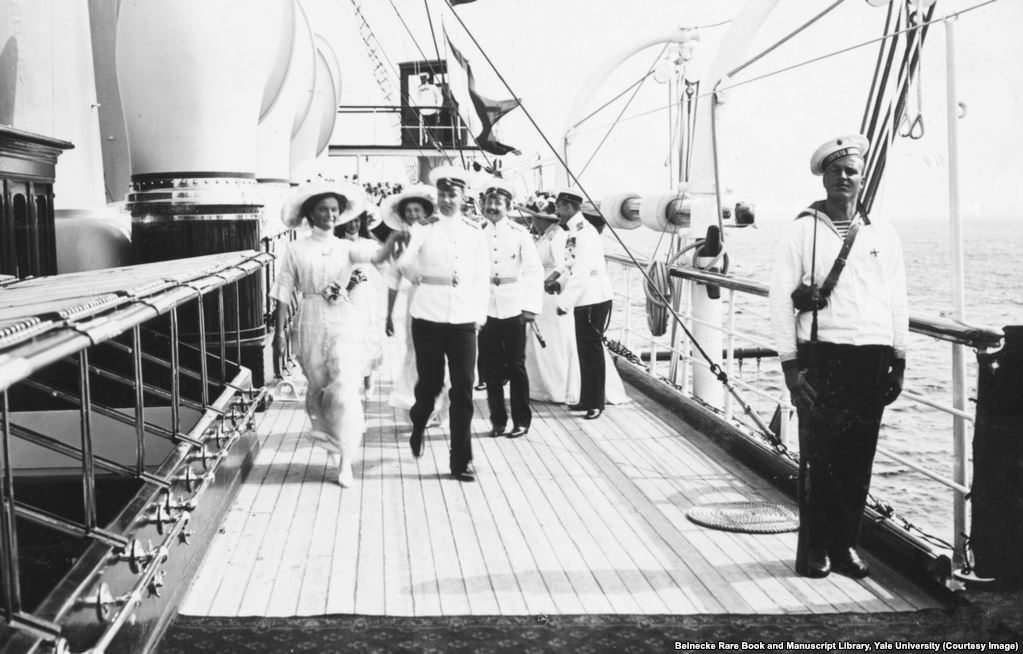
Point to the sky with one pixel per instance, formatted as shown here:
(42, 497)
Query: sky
(547, 49)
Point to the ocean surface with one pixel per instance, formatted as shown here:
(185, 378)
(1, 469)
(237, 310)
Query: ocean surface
(993, 266)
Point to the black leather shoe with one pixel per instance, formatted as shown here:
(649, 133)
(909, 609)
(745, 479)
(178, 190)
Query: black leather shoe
(593, 414)
(518, 432)
(415, 441)
(464, 476)
(847, 561)
(482, 386)
(577, 407)
(497, 430)
(817, 565)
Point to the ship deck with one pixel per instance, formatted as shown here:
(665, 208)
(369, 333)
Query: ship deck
(579, 517)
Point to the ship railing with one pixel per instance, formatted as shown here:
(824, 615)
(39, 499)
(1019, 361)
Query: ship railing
(407, 126)
(743, 295)
(157, 401)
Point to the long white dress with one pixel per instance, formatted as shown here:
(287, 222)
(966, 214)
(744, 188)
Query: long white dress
(324, 335)
(367, 298)
(554, 370)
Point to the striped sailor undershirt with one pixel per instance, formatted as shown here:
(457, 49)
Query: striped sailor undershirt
(842, 226)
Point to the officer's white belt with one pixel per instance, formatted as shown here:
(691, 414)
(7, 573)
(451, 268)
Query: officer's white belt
(439, 280)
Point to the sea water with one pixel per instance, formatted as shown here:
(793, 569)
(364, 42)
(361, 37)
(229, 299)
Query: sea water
(993, 264)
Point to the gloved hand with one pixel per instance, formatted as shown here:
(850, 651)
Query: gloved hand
(803, 394)
(551, 285)
(894, 383)
(528, 317)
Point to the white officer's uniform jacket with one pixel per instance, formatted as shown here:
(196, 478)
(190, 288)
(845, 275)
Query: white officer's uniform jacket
(446, 258)
(582, 268)
(516, 275)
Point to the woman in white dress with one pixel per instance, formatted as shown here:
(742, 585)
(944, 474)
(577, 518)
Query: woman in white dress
(400, 212)
(318, 269)
(366, 295)
(554, 370)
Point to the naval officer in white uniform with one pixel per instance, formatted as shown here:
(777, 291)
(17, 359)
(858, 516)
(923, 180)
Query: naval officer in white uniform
(446, 257)
(585, 289)
(516, 297)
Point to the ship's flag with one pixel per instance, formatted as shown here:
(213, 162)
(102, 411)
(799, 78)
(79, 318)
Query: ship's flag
(480, 113)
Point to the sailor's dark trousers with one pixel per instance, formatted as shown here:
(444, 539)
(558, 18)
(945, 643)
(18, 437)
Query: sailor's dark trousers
(590, 323)
(433, 342)
(838, 438)
(503, 352)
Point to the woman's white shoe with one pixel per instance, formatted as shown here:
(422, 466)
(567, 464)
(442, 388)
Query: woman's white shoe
(344, 474)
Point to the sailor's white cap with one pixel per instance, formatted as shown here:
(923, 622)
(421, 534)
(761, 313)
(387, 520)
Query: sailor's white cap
(570, 194)
(492, 185)
(350, 197)
(449, 176)
(835, 149)
(393, 206)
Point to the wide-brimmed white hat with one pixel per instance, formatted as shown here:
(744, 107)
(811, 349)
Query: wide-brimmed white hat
(392, 207)
(353, 196)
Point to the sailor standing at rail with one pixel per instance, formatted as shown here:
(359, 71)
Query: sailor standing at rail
(516, 283)
(584, 287)
(841, 332)
(447, 258)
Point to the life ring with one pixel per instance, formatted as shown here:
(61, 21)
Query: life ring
(658, 293)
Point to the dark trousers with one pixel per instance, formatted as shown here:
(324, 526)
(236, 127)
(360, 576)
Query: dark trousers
(590, 323)
(503, 352)
(838, 439)
(433, 341)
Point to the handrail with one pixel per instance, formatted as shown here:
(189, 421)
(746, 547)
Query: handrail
(155, 507)
(942, 329)
(938, 329)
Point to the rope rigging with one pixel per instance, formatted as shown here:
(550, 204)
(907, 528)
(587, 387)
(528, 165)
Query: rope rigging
(813, 60)
(625, 108)
(883, 109)
(434, 141)
(712, 364)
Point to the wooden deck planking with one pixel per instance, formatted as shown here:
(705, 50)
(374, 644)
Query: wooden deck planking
(710, 586)
(645, 583)
(423, 587)
(526, 573)
(542, 492)
(578, 517)
(272, 463)
(723, 549)
(760, 589)
(271, 570)
(524, 501)
(597, 540)
(204, 587)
